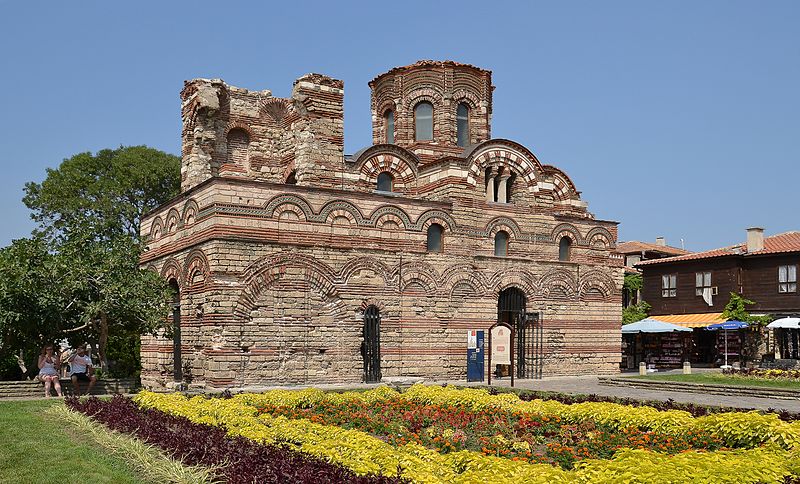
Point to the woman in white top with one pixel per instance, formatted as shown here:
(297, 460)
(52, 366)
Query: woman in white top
(49, 364)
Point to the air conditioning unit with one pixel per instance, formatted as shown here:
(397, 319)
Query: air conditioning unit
(714, 290)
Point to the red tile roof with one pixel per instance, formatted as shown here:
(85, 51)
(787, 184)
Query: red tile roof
(776, 244)
(634, 247)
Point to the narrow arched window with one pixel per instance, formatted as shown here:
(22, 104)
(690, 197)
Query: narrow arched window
(462, 124)
(388, 119)
(564, 247)
(238, 143)
(292, 178)
(501, 244)
(385, 182)
(423, 121)
(435, 232)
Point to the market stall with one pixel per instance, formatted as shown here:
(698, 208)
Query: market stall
(659, 344)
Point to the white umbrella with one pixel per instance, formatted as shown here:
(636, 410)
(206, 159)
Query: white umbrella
(785, 323)
(651, 326)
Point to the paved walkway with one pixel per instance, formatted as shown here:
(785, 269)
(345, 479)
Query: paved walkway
(590, 385)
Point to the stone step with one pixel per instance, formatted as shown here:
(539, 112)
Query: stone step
(32, 388)
(714, 389)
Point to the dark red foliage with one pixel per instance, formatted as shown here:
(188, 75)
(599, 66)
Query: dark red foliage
(240, 460)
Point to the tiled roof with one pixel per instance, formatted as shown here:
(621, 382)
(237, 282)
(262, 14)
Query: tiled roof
(634, 246)
(691, 320)
(776, 244)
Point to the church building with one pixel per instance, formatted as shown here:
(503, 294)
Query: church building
(295, 263)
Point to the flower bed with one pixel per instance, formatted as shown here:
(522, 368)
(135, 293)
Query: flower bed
(503, 432)
(428, 447)
(236, 460)
(696, 410)
(769, 374)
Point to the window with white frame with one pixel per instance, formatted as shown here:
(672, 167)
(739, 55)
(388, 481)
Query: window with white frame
(787, 278)
(702, 282)
(669, 285)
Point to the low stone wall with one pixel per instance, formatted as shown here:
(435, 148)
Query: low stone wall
(674, 386)
(33, 388)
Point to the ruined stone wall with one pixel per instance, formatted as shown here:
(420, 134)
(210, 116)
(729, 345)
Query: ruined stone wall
(233, 132)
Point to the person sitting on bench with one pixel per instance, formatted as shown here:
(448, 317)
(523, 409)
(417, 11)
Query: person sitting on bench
(49, 362)
(81, 370)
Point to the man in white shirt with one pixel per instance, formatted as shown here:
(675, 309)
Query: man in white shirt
(81, 370)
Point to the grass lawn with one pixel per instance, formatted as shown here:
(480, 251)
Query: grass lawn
(720, 379)
(33, 449)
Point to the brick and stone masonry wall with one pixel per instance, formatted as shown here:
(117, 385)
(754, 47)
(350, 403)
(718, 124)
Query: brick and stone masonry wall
(275, 277)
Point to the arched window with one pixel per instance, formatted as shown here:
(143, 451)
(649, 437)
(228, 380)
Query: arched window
(292, 178)
(564, 247)
(435, 238)
(238, 142)
(385, 182)
(501, 244)
(388, 119)
(462, 124)
(423, 121)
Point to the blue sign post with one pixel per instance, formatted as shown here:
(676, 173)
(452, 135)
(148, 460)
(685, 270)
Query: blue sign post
(475, 354)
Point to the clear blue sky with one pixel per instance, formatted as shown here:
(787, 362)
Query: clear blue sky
(676, 118)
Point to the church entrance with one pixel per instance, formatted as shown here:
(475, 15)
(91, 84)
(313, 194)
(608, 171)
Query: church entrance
(528, 342)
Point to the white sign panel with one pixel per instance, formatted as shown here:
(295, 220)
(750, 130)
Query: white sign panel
(501, 345)
(472, 340)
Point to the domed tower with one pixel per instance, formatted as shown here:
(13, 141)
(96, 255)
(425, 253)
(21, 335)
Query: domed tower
(432, 108)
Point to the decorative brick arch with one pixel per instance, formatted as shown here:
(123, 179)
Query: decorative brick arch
(463, 274)
(420, 273)
(403, 173)
(282, 212)
(372, 302)
(503, 223)
(597, 285)
(501, 152)
(173, 221)
(172, 270)
(341, 208)
(370, 263)
(563, 188)
(156, 229)
(508, 277)
(600, 237)
(389, 212)
(190, 211)
(262, 274)
(196, 264)
(464, 95)
(435, 216)
(281, 200)
(558, 284)
(568, 230)
(422, 94)
(239, 125)
(274, 109)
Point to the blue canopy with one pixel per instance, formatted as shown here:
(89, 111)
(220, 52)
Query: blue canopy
(651, 326)
(732, 324)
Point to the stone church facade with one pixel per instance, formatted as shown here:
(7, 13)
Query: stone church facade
(295, 263)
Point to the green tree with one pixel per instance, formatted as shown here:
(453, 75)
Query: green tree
(106, 193)
(736, 309)
(78, 277)
(635, 312)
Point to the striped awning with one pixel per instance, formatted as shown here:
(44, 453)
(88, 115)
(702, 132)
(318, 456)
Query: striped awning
(700, 320)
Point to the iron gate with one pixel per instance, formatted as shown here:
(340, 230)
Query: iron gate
(371, 346)
(527, 326)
